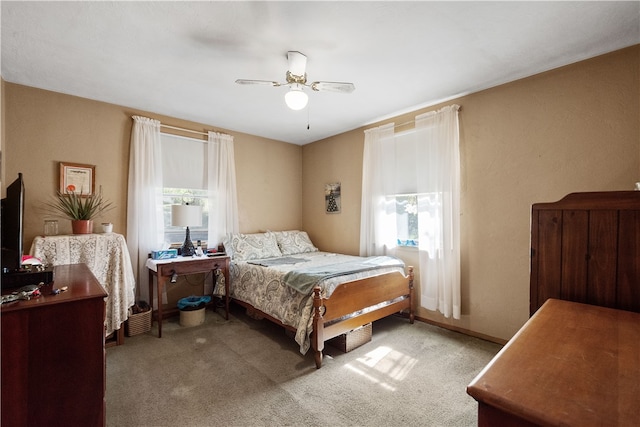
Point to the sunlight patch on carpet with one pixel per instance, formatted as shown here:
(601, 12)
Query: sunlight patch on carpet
(181, 391)
(384, 366)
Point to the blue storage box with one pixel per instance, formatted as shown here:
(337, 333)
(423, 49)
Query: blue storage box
(165, 254)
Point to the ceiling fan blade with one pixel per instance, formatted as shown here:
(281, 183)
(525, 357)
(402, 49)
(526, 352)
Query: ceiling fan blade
(297, 63)
(333, 87)
(257, 82)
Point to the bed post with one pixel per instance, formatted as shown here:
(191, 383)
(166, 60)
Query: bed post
(317, 340)
(411, 276)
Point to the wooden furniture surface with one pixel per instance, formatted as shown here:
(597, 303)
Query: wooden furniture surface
(586, 248)
(164, 269)
(107, 256)
(571, 364)
(357, 303)
(352, 305)
(53, 357)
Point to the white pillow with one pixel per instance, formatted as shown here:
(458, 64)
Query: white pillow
(243, 247)
(227, 243)
(294, 242)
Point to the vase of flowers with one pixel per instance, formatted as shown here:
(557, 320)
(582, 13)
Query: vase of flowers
(80, 209)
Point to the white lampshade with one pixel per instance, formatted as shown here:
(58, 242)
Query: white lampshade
(186, 215)
(296, 99)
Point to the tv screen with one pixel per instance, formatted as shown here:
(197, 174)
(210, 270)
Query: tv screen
(12, 226)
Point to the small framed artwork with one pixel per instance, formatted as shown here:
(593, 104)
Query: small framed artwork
(77, 178)
(332, 200)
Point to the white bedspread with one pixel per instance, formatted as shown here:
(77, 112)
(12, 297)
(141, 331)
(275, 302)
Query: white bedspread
(265, 289)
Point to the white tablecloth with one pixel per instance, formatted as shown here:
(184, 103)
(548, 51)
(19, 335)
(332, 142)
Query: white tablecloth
(152, 264)
(107, 257)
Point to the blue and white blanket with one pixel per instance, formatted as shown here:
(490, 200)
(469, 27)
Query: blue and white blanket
(303, 280)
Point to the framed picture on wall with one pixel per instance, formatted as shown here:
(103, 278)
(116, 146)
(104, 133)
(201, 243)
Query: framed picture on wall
(332, 200)
(77, 178)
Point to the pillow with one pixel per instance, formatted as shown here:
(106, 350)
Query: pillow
(243, 247)
(294, 242)
(229, 241)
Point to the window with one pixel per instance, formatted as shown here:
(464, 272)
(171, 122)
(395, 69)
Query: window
(416, 175)
(178, 196)
(406, 198)
(184, 177)
(407, 219)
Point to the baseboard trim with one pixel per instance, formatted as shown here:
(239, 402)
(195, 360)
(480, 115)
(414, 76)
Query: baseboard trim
(461, 330)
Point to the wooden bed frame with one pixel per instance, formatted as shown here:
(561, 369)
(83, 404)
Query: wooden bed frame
(586, 248)
(354, 304)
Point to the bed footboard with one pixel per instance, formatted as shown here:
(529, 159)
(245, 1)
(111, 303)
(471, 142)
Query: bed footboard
(357, 303)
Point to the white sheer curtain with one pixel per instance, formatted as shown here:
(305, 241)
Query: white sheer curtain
(437, 176)
(438, 145)
(145, 225)
(377, 222)
(221, 183)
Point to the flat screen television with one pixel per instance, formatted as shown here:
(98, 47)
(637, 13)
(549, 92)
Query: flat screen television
(12, 217)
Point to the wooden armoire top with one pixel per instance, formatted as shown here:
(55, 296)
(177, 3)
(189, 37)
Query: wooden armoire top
(596, 200)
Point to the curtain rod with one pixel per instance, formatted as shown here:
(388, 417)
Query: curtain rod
(410, 122)
(184, 129)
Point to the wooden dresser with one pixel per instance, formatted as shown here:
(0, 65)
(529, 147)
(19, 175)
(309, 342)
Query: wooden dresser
(571, 364)
(576, 362)
(53, 357)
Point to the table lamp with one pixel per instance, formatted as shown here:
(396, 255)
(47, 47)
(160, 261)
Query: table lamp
(184, 216)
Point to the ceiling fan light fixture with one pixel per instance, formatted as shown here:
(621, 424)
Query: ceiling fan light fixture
(296, 99)
(296, 79)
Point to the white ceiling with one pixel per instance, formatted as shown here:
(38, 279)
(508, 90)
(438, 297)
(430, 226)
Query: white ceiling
(181, 59)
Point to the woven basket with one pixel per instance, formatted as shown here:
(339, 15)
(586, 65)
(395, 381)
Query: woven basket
(138, 323)
(352, 339)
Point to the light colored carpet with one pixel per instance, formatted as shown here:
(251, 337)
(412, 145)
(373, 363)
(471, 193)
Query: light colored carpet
(246, 372)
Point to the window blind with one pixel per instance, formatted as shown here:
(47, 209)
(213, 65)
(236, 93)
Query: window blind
(183, 162)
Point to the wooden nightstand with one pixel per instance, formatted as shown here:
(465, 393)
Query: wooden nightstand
(164, 269)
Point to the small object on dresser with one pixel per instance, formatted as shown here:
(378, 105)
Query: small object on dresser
(164, 254)
(57, 291)
(139, 320)
(199, 251)
(215, 254)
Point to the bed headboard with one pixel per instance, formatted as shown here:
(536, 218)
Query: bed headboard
(586, 248)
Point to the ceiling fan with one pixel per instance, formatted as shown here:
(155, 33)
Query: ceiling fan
(296, 79)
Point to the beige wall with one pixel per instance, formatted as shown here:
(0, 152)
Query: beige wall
(44, 128)
(576, 128)
(571, 129)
